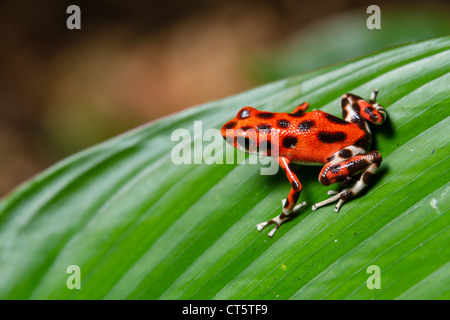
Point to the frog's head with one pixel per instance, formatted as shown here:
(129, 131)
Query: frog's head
(248, 132)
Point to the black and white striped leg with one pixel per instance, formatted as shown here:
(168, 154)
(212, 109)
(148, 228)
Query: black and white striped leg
(366, 163)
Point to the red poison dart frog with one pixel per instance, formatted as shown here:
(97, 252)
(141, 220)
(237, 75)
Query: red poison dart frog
(318, 138)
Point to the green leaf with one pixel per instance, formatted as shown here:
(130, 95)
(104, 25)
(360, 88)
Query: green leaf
(141, 227)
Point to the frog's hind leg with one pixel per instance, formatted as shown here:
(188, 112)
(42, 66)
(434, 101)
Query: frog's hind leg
(342, 171)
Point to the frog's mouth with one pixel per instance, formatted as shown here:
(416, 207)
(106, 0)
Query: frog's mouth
(248, 140)
(262, 148)
(244, 143)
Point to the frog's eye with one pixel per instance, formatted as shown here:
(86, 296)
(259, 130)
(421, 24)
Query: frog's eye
(244, 113)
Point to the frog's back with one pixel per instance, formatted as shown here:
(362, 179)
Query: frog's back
(313, 137)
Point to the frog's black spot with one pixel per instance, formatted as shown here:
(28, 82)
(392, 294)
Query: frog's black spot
(366, 177)
(230, 125)
(289, 142)
(295, 197)
(323, 179)
(265, 115)
(245, 142)
(282, 123)
(344, 101)
(363, 142)
(334, 119)
(295, 185)
(346, 195)
(376, 157)
(306, 125)
(356, 107)
(331, 137)
(357, 166)
(345, 153)
(347, 180)
(344, 112)
(244, 113)
(282, 216)
(357, 120)
(264, 128)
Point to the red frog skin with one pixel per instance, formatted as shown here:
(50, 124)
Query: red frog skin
(341, 146)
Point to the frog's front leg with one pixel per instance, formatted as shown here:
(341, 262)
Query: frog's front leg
(289, 204)
(343, 171)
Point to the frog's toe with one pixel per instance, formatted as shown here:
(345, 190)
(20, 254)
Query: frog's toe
(264, 224)
(340, 197)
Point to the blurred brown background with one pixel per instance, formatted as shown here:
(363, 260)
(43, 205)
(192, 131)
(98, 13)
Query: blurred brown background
(134, 61)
